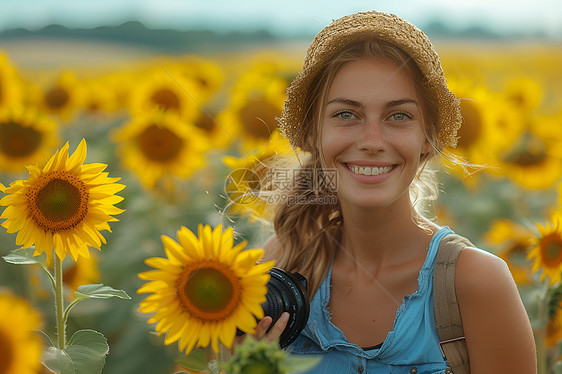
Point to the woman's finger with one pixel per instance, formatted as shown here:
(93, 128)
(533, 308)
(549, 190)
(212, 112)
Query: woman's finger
(262, 326)
(278, 328)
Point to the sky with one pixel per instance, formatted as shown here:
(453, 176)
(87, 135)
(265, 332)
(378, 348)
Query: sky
(284, 17)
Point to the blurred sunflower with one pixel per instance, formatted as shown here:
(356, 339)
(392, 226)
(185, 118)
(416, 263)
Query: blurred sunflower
(20, 345)
(535, 159)
(246, 186)
(546, 250)
(524, 93)
(26, 138)
(160, 144)
(512, 242)
(98, 97)
(62, 206)
(255, 103)
(218, 136)
(205, 289)
(10, 88)
(165, 90)
(63, 97)
(207, 76)
(489, 126)
(554, 327)
(119, 83)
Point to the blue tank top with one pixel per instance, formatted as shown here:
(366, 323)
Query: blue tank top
(410, 347)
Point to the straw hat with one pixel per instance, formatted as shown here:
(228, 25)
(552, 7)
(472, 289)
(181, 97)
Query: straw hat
(363, 26)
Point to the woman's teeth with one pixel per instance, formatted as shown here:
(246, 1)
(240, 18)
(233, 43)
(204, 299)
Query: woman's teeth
(366, 170)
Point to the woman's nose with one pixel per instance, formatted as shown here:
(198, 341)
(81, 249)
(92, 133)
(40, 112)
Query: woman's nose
(371, 138)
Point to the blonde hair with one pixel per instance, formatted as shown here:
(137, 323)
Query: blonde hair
(309, 233)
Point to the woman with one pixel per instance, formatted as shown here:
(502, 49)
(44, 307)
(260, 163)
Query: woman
(371, 103)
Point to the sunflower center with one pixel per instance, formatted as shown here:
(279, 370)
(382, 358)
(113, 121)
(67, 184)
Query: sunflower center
(166, 99)
(553, 252)
(528, 151)
(210, 291)
(258, 117)
(517, 254)
(58, 201)
(56, 98)
(6, 353)
(472, 125)
(159, 144)
(18, 141)
(206, 123)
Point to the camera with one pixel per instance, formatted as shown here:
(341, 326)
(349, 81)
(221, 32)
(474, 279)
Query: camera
(286, 292)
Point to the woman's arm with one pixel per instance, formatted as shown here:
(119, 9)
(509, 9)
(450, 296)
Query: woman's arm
(498, 332)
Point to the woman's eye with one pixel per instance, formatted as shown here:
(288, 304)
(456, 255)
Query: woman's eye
(400, 116)
(345, 115)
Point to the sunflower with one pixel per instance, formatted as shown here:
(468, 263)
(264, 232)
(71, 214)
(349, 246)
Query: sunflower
(63, 205)
(26, 138)
(535, 160)
(207, 76)
(489, 126)
(253, 175)
(165, 90)
(10, 87)
(160, 144)
(99, 98)
(63, 96)
(218, 136)
(512, 242)
(205, 289)
(525, 93)
(554, 327)
(546, 251)
(20, 346)
(255, 103)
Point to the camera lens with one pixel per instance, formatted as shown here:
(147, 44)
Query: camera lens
(286, 292)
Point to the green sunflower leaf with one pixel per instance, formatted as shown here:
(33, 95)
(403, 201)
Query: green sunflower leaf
(24, 256)
(87, 350)
(194, 361)
(99, 291)
(58, 361)
(84, 354)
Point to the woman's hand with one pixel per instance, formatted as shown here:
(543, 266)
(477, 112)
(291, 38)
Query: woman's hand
(263, 325)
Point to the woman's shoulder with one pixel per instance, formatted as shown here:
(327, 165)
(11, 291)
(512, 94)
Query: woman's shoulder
(478, 270)
(495, 322)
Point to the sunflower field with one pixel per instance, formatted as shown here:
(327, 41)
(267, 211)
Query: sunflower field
(129, 156)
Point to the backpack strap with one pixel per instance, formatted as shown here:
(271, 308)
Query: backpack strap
(445, 305)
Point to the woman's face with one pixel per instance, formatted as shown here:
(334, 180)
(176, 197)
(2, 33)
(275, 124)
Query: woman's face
(372, 132)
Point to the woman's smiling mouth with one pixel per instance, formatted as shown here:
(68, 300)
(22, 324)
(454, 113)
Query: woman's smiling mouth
(368, 170)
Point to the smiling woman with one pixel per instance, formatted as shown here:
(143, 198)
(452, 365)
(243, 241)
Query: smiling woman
(372, 104)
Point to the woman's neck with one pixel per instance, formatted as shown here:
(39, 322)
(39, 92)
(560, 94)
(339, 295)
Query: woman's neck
(383, 237)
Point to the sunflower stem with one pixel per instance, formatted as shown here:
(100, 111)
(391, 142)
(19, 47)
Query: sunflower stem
(59, 303)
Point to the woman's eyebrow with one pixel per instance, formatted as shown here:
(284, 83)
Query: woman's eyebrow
(399, 102)
(357, 104)
(340, 100)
